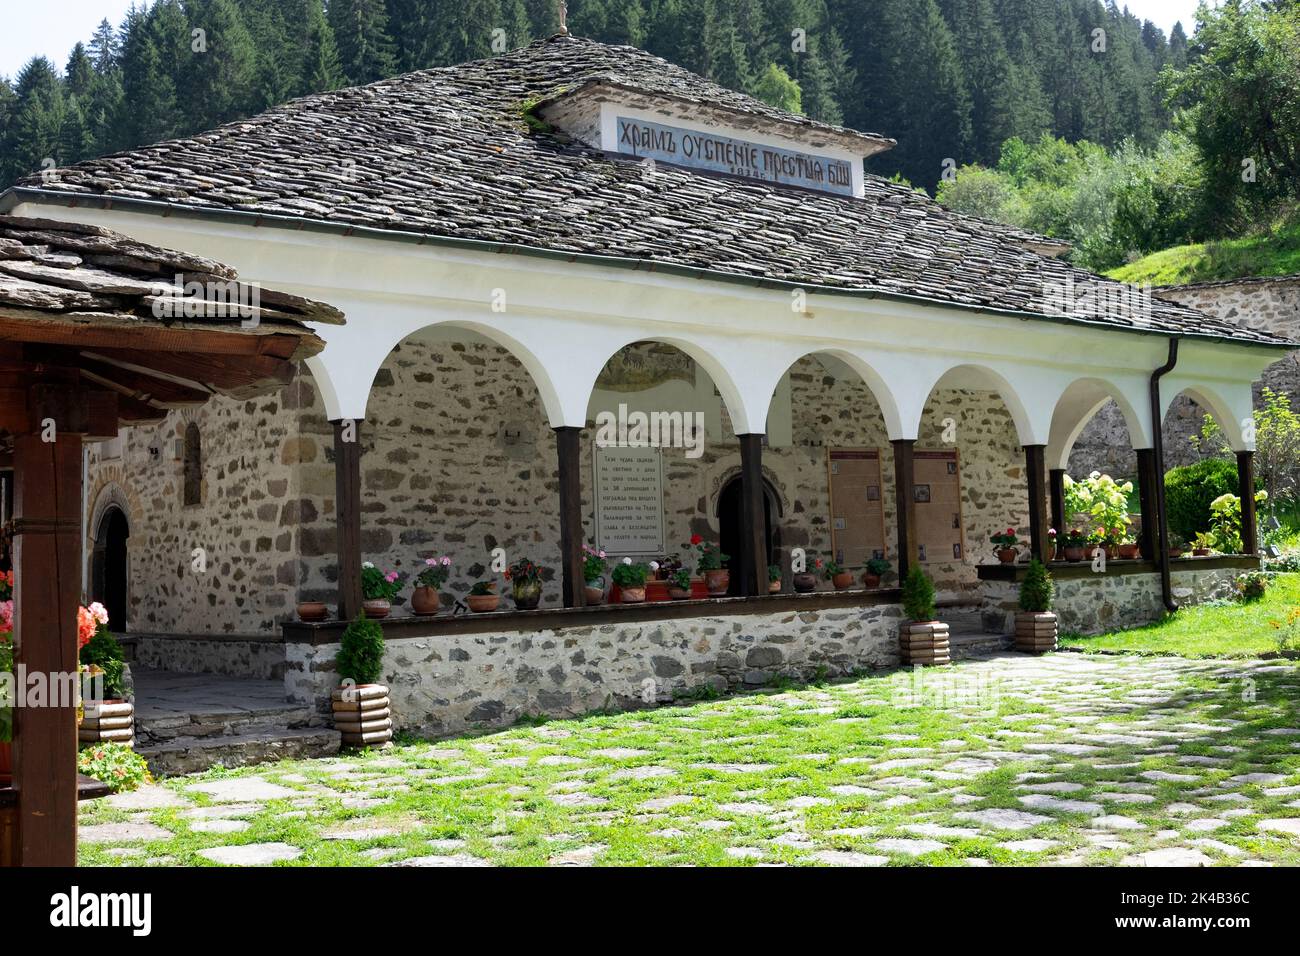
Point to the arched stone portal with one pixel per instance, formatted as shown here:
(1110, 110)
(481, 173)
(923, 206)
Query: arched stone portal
(108, 566)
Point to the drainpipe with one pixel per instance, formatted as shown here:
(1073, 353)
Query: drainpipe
(1158, 444)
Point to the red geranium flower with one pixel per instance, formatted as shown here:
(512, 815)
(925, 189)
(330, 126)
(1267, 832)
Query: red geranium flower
(696, 539)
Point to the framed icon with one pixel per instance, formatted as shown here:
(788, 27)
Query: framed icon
(921, 494)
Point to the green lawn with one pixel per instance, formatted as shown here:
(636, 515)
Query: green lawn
(1207, 630)
(1272, 252)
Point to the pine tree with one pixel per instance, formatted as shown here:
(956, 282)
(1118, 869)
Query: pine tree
(104, 47)
(366, 51)
(35, 131)
(147, 111)
(223, 64)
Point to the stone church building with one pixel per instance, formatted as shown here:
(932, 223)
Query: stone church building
(573, 232)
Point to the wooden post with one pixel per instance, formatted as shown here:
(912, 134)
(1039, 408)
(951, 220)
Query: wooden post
(1148, 475)
(347, 515)
(905, 500)
(1036, 475)
(1056, 494)
(568, 444)
(1246, 491)
(47, 585)
(753, 524)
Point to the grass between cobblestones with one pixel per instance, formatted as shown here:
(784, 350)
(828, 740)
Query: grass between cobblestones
(1066, 759)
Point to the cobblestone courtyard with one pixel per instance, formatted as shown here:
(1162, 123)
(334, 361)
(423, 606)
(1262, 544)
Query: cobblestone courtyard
(1067, 759)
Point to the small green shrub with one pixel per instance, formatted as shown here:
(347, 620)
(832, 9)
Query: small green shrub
(361, 656)
(1037, 590)
(116, 765)
(1251, 586)
(1189, 491)
(918, 595)
(105, 652)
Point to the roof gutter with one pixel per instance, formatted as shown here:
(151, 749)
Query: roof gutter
(19, 194)
(1158, 444)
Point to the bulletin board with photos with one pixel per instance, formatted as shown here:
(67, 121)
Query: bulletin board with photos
(936, 489)
(857, 505)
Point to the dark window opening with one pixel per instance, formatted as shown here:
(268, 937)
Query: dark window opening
(193, 465)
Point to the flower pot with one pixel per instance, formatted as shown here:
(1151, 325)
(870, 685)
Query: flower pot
(312, 611)
(717, 581)
(377, 608)
(595, 594)
(1075, 554)
(843, 580)
(1176, 552)
(362, 715)
(1200, 552)
(103, 721)
(1008, 555)
(6, 763)
(483, 603)
(774, 587)
(527, 595)
(1112, 552)
(679, 594)
(1036, 632)
(632, 595)
(424, 601)
(804, 583)
(1129, 552)
(924, 643)
(657, 591)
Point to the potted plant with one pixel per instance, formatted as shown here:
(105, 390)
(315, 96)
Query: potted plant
(525, 579)
(679, 584)
(483, 597)
(6, 708)
(1177, 546)
(424, 598)
(378, 588)
(1074, 544)
(1097, 540)
(1051, 544)
(1036, 624)
(1129, 549)
(806, 581)
(714, 565)
(594, 567)
(876, 569)
(1202, 544)
(631, 579)
(839, 578)
(773, 579)
(923, 639)
(108, 715)
(361, 703)
(1004, 546)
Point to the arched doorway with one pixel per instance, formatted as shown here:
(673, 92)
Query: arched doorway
(731, 526)
(108, 567)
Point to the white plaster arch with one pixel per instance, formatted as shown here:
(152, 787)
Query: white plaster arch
(1079, 402)
(1231, 410)
(1030, 402)
(865, 370)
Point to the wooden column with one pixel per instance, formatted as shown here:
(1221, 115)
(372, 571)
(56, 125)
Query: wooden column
(1056, 495)
(752, 565)
(47, 585)
(347, 515)
(1148, 476)
(905, 499)
(1246, 491)
(1036, 474)
(568, 444)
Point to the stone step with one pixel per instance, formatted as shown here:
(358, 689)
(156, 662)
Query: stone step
(224, 723)
(183, 755)
(964, 618)
(967, 644)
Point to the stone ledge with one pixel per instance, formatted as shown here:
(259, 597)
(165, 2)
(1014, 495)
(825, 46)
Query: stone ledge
(1063, 570)
(507, 622)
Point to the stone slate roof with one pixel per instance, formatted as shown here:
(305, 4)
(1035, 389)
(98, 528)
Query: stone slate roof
(451, 153)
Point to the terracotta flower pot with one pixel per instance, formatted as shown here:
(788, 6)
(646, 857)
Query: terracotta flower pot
(1128, 551)
(527, 595)
(843, 580)
(483, 603)
(631, 595)
(595, 594)
(377, 608)
(774, 587)
(312, 611)
(1112, 552)
(6, 762)
(804, 583)
(424, 601)
(1075, 554)
(870, 581)
(1200, 552)
(1008, 555)
(679, 594)
(1176, 552)
(717, 581)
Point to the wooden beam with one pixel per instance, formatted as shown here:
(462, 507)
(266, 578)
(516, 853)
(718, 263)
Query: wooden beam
(905, 499)
(142, 386)
(1148, 475)
(753, 524)
(347, 515)
(1036, 475)
(568, 444)
(1246, 491)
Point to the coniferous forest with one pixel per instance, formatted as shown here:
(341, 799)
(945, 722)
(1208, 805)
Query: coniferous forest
(1009, 98)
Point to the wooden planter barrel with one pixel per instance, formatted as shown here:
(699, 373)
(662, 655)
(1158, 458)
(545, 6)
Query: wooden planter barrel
(1036, 631)
(924, 642)
(362, 716)
(108, 721)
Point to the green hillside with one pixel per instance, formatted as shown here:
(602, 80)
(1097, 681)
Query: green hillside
(1274, 252)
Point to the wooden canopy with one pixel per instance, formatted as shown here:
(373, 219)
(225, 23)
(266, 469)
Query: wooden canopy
(98, 330)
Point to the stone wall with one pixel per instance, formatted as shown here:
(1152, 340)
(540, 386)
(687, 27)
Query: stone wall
(1103, 602)
(1271, 304)
(452, 683)
(227, 656)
